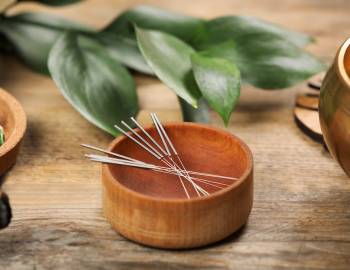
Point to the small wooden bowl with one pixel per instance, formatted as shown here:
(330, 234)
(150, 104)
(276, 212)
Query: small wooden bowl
(13, 120)
(151, 208)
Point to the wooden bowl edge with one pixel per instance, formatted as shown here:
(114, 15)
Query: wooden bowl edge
(9, 150)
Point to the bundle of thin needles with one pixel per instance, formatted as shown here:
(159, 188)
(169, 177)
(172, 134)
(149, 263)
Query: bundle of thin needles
(167, 154)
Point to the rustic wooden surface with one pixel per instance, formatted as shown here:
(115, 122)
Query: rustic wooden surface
(301, 212)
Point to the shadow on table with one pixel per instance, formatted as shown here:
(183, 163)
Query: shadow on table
(229, 239)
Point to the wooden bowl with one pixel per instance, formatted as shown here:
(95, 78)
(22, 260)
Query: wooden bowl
(151, 208)
(13, 120)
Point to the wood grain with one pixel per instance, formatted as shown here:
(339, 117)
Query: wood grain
(301, 213)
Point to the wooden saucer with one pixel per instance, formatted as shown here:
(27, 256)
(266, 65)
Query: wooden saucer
(306, 108)
(308, 121)
(13, 120)
(151, 208)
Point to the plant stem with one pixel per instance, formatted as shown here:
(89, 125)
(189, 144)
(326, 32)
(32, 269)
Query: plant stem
(190, 114)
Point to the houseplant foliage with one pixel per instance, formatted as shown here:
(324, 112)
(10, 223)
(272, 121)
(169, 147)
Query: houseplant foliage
(203, 61)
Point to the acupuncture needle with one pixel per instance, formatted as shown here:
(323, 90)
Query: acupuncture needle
(162, 131)
(161, 149)
(138, 165)
(104, 159)
(159, 157)
(132, 159)
(144, 165)
(196, 187)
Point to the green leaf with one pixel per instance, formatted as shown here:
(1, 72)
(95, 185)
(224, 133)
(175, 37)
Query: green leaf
(55, 2)
(95, 84)
(23, 29)
(2, 136)
(5, 45)
(268, 62)
(219, 81)
(267, 55)
(49, 21)
(125, 50)
(199, 115)
(184, 27)
(169, 58)
(236, 28)
(33, 34)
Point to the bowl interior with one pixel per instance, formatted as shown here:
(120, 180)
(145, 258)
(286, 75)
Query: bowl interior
(7, 119)
(201, 149)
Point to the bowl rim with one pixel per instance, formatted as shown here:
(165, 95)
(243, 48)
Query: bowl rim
(340, 63)
(20, 122)
(242, 179)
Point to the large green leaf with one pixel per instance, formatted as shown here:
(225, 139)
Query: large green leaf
(23, 30)
(125, 50)
(33, 34)
(268, 56)
(169, 58)
(268, 62)
(219, 81)
(240, 28)
(55, 2)
(95, 84)
(184, 27)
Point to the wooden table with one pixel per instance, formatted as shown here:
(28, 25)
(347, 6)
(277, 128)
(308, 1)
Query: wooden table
(301, 213)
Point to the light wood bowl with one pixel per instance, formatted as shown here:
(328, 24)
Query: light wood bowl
(152, 209)
(13, 120)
